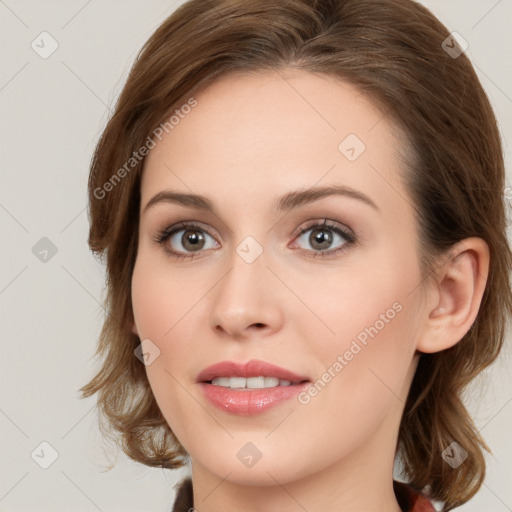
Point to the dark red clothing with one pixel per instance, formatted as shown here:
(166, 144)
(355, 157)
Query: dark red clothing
(408, 498)
(411, 500)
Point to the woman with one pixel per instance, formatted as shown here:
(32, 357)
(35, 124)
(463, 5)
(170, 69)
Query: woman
(300, 204)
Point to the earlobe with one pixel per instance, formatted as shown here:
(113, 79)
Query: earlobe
(134, 329)
(460, 288)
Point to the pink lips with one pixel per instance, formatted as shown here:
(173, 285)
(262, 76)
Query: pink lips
(248, 402)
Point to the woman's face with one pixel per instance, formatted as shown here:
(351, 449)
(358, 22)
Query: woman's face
(266, 274)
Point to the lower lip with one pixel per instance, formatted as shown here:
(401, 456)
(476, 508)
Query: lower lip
(249, 402)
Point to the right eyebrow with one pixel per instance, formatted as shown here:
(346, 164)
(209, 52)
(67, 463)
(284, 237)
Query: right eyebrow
(192, 200)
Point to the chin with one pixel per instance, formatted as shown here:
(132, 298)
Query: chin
(262, 473)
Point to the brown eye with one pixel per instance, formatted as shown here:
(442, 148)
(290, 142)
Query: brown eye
(325, 238)
(185, 240)
(192, 240)
(320, 239)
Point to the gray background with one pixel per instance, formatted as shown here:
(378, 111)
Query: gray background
(52, 112)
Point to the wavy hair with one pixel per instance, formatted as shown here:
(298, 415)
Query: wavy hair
(394, 52)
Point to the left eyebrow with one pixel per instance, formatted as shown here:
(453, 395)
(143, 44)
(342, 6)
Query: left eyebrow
(301, 197)
(287, 202)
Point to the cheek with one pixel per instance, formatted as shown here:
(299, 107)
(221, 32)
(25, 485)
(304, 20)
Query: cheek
(163, 307)
(360, 384)
(340, 306)
(160, 297)
(372, 315)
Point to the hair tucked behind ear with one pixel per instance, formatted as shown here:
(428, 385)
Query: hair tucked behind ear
(392, 51)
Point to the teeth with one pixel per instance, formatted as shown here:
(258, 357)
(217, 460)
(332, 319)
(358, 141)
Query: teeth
(250, 383)
(237, 382)
(259, 382)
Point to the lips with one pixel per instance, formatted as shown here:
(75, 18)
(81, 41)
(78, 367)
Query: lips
(246, 400)
(253, 368)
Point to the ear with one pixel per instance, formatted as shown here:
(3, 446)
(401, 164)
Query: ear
(455, 298)
(134, 328)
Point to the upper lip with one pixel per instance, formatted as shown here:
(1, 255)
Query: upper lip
(253, 368)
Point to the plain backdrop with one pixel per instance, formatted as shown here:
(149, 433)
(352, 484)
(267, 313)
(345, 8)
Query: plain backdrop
(51, 287)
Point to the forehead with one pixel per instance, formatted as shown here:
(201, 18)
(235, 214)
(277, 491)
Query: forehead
(260, 135)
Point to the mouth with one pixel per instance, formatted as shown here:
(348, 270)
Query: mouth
(250, 388)
(258, 382)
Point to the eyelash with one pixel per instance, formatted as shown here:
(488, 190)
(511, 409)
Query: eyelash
(162, 236)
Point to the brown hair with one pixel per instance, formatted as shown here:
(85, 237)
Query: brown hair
(392, 51)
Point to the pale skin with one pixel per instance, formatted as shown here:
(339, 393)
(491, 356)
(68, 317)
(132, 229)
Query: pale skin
(250, 140)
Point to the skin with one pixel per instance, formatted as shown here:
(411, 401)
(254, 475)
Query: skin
(251, 139)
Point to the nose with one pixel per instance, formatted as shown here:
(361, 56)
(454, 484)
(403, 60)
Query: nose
(248, 301)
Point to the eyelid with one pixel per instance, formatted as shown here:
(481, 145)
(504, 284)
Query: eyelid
(178, 226)
(164, 234)
(328, 223)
